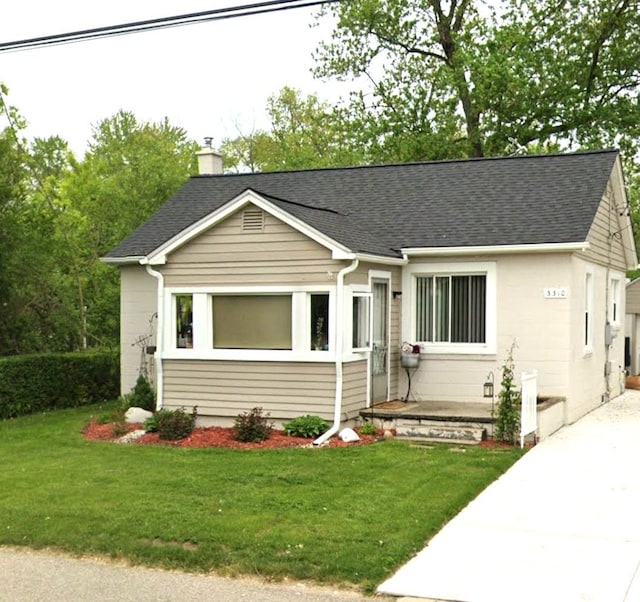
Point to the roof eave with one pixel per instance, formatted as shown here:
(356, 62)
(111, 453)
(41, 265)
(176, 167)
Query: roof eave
(567, 247)
(129, 260)
(382, 259)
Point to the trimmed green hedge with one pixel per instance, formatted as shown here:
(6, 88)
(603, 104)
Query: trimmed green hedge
(37, 383)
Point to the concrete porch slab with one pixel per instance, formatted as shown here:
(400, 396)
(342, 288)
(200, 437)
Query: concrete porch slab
(447, 411)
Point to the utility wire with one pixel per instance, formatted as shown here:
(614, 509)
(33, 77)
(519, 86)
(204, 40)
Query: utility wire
(217, 14)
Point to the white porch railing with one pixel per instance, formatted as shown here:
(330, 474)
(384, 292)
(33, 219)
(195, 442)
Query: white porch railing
(528, 413)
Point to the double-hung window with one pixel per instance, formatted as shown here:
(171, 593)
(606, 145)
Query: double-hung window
(452, 306)
(361, 322)
(588, 313)
(615, 286)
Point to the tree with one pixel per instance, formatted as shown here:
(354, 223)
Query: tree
(455, 78)
(130, 170)
(305, 133)
(12, 194)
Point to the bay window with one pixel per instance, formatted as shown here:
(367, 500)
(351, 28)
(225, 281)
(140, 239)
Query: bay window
(259, 323)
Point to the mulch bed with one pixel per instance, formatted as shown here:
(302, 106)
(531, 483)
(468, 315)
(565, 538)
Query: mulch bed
(216, 436)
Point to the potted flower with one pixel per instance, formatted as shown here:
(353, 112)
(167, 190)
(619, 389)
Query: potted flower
(410, 355)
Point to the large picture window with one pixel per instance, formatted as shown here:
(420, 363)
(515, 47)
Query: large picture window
(252, 321)
(451, 308)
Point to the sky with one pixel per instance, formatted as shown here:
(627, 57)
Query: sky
(211, 79)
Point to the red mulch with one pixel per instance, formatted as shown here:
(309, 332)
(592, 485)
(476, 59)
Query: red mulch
(216, 436)
(492, 443)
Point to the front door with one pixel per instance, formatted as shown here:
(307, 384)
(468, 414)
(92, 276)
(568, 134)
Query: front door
(380, 343)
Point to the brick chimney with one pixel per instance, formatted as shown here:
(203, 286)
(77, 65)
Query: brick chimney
(209, 160)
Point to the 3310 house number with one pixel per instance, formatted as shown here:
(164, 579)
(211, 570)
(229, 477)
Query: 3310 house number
(556, 293)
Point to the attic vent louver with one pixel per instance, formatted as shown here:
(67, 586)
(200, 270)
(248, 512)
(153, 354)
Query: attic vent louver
(252, 220)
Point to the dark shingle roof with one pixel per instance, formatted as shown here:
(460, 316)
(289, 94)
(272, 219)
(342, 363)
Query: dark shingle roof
(381, 209)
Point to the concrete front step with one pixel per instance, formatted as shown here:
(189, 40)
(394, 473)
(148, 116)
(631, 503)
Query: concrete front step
(439, 431)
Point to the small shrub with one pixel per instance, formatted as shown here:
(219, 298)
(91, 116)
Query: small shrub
(175, 424)
(306, 426)
(253, 426)
(119, 428)
(368, 428)
(142, 395)
(151, 423)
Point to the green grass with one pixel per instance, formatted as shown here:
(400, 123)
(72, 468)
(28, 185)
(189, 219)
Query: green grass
(349, 515)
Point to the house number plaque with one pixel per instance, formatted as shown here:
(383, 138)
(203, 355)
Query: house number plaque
(556, 293)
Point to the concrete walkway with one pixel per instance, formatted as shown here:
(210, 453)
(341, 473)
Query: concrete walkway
(562, 525)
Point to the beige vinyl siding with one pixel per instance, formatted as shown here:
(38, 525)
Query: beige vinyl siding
(354, 389)
(138, 305)
(361, 276)
(225, 255)
(226, 388)
(396, 342)
(633, 297)
(604, 247)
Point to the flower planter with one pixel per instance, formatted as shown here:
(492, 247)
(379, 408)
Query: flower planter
(410, 360)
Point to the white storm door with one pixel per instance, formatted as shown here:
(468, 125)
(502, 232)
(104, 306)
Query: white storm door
(380, 342)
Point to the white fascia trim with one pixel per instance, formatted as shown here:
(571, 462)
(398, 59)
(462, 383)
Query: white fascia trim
(564, 247)
(251, 289)
(159, 255)
(131, 260)
(365, 257)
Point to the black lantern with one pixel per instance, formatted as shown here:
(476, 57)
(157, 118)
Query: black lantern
(488, 386)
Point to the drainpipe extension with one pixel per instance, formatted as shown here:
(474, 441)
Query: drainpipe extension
(159, 335)
(337, 411)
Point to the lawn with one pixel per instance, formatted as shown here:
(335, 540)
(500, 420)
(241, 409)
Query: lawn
(341, 515)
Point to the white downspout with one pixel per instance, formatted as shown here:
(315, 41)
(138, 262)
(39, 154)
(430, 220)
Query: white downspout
(339, 351)
(159, 335)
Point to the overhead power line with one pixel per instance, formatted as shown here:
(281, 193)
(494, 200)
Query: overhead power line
(107, 31)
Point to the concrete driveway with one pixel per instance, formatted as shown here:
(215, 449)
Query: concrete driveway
(562, 525)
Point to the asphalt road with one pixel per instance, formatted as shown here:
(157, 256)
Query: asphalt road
(34, 576)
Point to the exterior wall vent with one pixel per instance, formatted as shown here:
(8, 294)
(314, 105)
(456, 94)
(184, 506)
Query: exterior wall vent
(253, 220)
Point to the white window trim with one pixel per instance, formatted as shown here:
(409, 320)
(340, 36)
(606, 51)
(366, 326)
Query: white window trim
(588, 300)
(413, 270)
(203, 324)
(615, 294)
(349, 322)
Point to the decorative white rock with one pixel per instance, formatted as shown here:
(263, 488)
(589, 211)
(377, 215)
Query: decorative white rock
(137, 415)
(349, 435)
